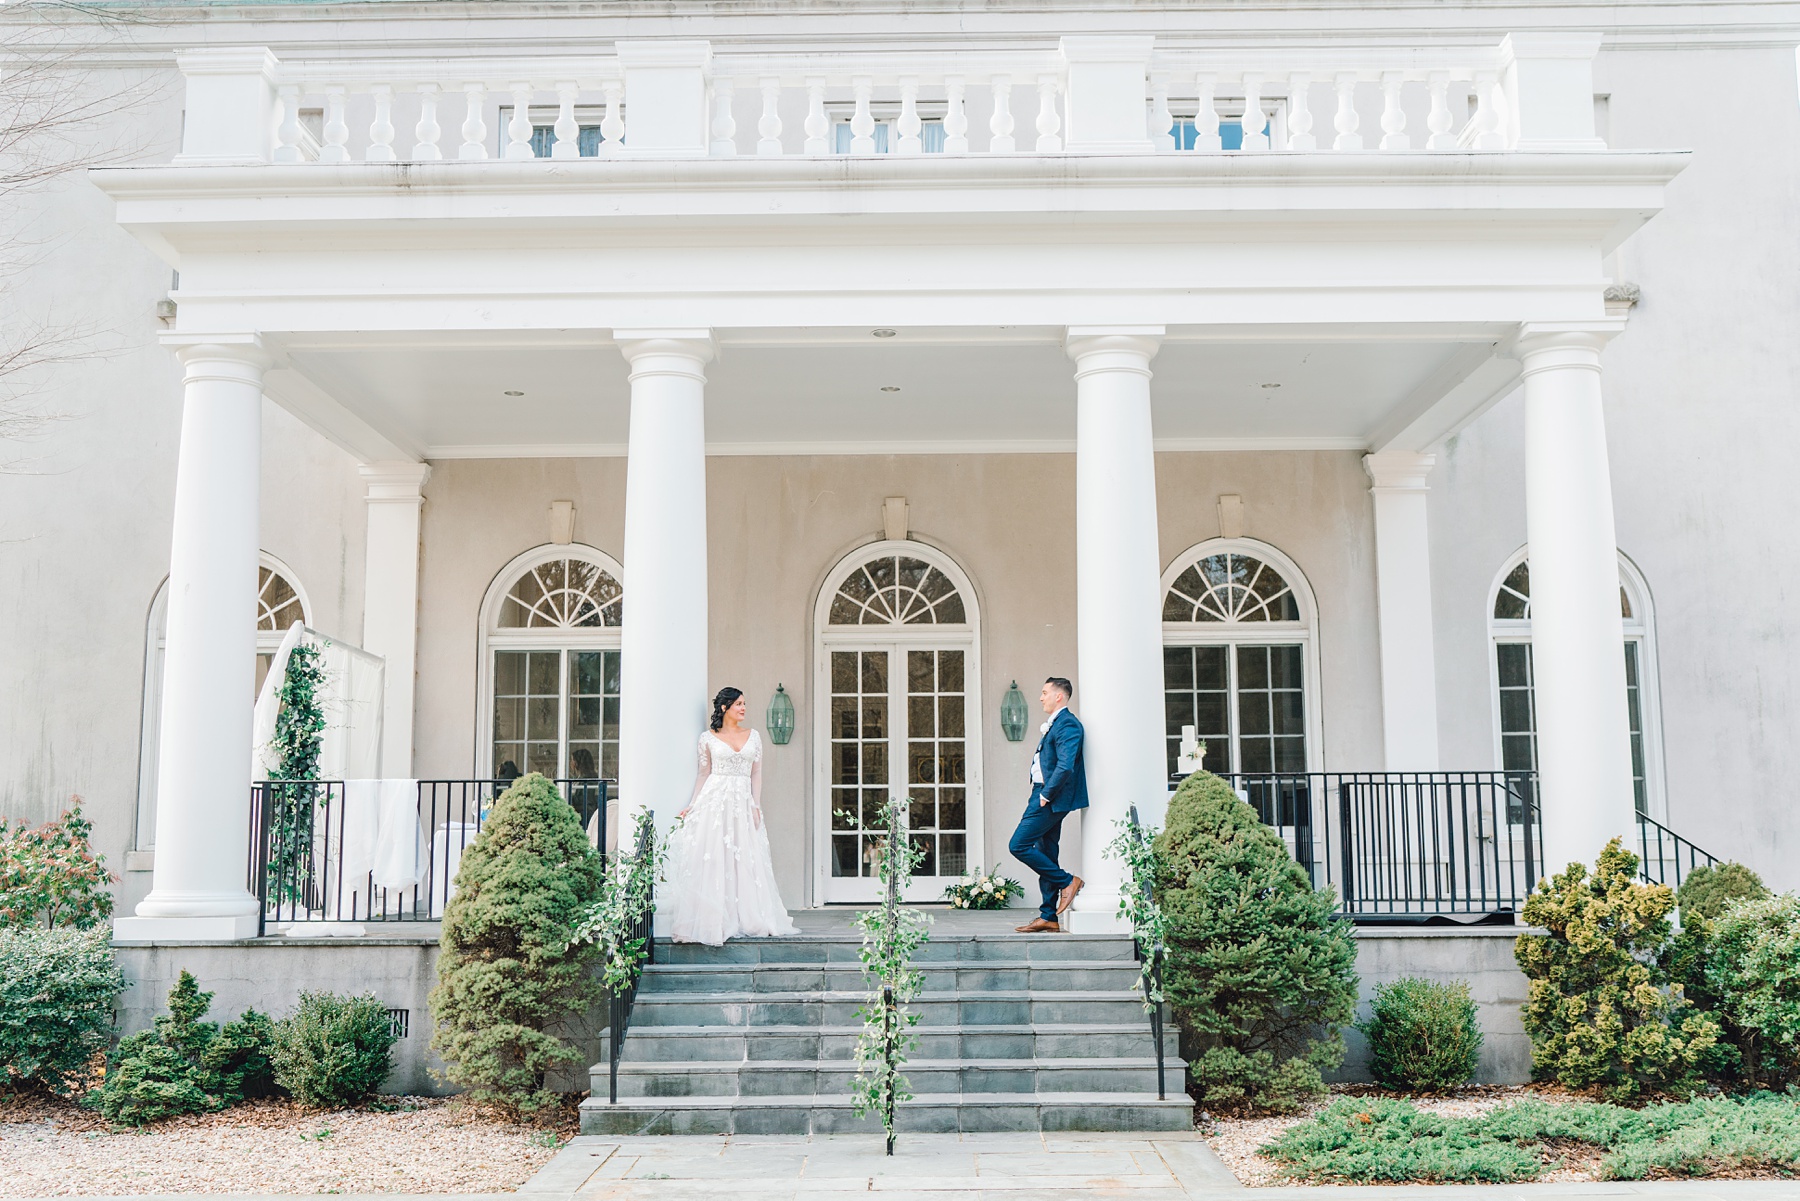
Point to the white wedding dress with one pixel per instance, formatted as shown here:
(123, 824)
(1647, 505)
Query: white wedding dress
(721, 880)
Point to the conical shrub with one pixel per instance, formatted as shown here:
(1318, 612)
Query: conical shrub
(510, 987)
(1261, 976)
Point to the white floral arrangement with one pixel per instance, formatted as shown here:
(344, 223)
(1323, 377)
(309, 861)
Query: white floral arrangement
(983, 890)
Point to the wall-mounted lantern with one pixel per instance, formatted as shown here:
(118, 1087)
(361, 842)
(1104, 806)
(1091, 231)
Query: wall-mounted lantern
(1012, 713)
(781, 717)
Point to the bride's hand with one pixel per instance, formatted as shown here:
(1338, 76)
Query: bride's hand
(756, 815)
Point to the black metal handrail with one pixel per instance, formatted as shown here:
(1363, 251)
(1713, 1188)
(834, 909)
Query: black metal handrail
(312, 859)
(643, 926)
(1666, 857)
(1407, 846)
(1152, 978)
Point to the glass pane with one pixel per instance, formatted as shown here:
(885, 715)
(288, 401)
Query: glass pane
(950, 671)
(1178, 668)
(1515, 664)
(584, 724)
(1253, 667)
(874, 672)
(950, 611)
(541, 673)
(953, 855)
(952, 763)
(927, 844)
(950, 717)
(587, 672)
(843, 671)
(1211, 670)
(952, 809)
(1284, 667)
(921, 765)
(921, 717)
(541, 757)
(844, 859)
(509, 673)
(874, 717)
(919, 671)
(922, 811)
(584, 760)
(843, 809)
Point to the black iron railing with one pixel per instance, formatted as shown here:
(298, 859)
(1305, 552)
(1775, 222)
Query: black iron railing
(1665, 857)
(317, 856)
(643, 927)
(1407, 846)
(1152, 978)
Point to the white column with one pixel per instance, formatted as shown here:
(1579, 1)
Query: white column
(209, 674)
(1403, 593)
(391, 599)
(1578, 661)
(664, 698)
(1118, 602)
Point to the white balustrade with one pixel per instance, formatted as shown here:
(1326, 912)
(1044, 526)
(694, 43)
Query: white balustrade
(707, 104)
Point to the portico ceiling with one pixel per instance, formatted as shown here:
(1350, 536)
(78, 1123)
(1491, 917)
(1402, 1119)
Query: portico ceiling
(822, 391)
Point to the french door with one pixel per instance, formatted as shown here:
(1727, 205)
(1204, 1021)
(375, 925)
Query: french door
(556, 711)
(899, 722)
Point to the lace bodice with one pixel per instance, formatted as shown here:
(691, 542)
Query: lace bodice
(717, 758)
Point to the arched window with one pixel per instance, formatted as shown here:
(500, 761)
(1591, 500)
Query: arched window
(1515, 704)
(550, 666)
(1238, 658)
(279, 604)
(898, 654)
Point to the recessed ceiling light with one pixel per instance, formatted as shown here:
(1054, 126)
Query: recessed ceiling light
(513, 392)
(1271, 385)
(884, 333)
(889, 388)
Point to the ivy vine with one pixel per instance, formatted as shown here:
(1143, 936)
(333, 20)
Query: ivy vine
(299, 726)
(616, 922)
(891, 934)
(1138, 905)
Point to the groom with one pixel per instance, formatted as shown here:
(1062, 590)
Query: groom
(1058, 788)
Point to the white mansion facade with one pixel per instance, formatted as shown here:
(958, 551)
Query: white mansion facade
(1348, 382)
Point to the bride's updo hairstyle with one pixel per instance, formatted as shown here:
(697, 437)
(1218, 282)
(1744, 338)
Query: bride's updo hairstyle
(726, 699)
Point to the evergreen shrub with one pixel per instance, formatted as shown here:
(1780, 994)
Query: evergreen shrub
(1602, 1011)
(1260, 974)
(1709, 891)
(50, 876)
(57, 989)
(334, 1051)
(510, 984)
(184, 1064)
(1422, 1035)
(1753, 969)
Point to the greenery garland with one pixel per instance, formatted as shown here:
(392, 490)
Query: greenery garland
(1137, 904)
(626, 892)
(299, 724)
(891, 934)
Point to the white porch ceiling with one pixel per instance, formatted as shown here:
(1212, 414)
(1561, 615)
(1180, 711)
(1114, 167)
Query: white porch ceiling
(821, 391)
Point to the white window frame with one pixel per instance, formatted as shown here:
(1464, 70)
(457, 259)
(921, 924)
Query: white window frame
(1640, 629)
(156, 623)
(1305, 632)
(492, 638)
(965, 637)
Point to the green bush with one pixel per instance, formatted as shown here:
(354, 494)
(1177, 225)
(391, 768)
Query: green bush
(1369, 1141)
(184, 1064)
(1261, 975)
(1708, 891)
(1753, 969)
(1601, 1011)
(1422, 1035)
(509, 982)
(57, 989)
(50, 877)
(334, 1051)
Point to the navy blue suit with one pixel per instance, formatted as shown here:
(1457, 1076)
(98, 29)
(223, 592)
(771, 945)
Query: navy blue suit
(1038, 840)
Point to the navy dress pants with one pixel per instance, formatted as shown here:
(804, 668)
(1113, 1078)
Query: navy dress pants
(1036, 844)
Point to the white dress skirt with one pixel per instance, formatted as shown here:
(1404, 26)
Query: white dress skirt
(720, 882)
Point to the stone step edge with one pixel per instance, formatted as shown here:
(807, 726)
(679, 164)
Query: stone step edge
(855, 937)
(1177, 1099)
(721, 1066)
(843, 994)
(689, 1031)
(852, 965)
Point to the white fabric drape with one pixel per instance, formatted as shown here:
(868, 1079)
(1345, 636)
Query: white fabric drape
(350, 744)
(381, 837)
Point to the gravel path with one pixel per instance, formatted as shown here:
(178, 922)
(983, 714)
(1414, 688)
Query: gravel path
(429, 1146)
(1236, 1139)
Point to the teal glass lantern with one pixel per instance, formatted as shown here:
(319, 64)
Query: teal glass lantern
(781, 717)
(1012, 713)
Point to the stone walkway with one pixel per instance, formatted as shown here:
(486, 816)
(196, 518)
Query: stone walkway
(997, 1167)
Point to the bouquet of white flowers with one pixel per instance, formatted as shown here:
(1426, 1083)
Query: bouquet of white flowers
(983, 890)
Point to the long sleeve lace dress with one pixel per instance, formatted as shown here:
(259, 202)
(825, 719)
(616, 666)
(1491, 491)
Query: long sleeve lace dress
(721, 879)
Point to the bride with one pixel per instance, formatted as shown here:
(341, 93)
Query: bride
(723, 881)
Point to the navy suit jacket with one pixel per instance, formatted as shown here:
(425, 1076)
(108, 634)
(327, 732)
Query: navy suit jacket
(1059, 755)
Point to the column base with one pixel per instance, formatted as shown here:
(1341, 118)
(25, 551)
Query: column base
(1099, 915)
(185, 929)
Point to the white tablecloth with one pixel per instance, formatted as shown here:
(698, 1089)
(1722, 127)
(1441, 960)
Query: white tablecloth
(381, 843)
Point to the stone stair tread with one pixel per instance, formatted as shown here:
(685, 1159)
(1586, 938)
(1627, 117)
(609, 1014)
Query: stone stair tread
(645, 1066)
(651, 969)
(861, 994)
(923, 1100)
(682, 1031)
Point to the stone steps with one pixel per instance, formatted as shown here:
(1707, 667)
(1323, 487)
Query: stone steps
(1015, 1032)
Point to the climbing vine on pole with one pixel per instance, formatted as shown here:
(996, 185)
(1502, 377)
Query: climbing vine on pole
(299, 724)
(891, 934)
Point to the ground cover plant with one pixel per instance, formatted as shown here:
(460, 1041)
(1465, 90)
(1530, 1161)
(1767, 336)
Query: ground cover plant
(1423, 1035)
(1375, 1140)
(1603, 1011)
(184, 1064)
(57, 989)
(1260, 973)
(333, 1052)
(511, 982)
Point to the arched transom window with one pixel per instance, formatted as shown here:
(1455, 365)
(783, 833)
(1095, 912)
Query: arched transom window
(278, 604)
(1237, 647)
(897, 589)
(1515, 708)
(551, 661)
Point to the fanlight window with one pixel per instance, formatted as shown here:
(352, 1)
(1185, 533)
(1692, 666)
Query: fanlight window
(1513, 602)
(563, 594)
(897, 590)
(1230, 587)
(277, 603)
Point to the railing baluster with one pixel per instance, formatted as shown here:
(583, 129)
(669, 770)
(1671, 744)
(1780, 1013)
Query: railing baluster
(567, 130)
(768, 125)
(1049, 121)
(956, 121)
(816, 124)
(381, 129)
(724, 124)
(1393, 117)
(1300, 118)
(518, 129)
(1206, 115)
(1001, 123)
(474, 126)
(1346, 120)
(427, 131)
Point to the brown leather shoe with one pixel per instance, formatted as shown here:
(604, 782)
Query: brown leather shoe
(1068, 895)
(1038, 925)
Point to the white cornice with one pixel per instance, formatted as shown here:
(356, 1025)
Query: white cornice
(973, 446)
